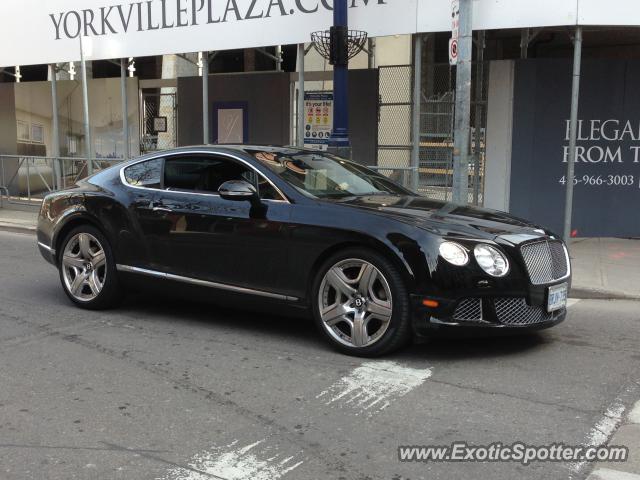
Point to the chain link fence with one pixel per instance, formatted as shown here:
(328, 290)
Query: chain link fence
(437, 113)
(394, 119)
(159, 122)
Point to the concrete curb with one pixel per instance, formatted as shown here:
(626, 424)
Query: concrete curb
(586, 293)
(16, 228)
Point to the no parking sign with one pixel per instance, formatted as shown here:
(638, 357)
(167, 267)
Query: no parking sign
(455, 23)
(453, 51)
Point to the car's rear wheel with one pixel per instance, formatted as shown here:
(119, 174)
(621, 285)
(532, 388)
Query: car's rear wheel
(87, 269)
(360, 303)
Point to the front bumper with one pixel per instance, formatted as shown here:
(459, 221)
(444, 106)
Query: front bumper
(48, 253)
(489, 313)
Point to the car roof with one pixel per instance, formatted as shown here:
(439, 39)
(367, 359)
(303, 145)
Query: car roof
(229, 148)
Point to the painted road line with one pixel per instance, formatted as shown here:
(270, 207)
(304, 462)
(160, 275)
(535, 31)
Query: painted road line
(602, 430)
(572, 301)
(256, 461)
(608, 474)
(634, 415)
(373, 386)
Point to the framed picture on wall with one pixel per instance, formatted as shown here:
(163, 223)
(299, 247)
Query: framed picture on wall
(230, 122)
(160, 124)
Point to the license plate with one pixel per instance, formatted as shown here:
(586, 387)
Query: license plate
(557, 297)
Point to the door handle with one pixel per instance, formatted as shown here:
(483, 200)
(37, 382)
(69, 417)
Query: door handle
(162, 209)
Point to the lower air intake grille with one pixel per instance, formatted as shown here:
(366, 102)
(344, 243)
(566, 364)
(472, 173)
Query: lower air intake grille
(469, 310)
(515, 311)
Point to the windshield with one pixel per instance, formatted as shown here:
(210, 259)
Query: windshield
(324, 175)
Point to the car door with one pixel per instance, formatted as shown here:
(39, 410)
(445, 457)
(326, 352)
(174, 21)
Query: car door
(217, 240)
(148, 222)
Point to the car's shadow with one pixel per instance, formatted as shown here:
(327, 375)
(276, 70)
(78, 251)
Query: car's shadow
(218, 316)
(300, 328)
(466, 348)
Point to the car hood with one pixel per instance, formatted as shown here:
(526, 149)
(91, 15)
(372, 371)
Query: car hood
(446, 218)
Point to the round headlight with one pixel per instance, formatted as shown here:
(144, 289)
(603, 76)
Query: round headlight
(454, 253)
(491, 260)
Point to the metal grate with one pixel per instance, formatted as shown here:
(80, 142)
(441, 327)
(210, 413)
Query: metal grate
(546, 261)
(515, 311)
(469, 310)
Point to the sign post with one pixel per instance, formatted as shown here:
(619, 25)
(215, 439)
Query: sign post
(462, 131)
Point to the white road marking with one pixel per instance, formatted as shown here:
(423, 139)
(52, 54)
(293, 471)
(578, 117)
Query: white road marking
(608, 474)
(602, 430)
(371, 387)
(256, 461)
(572, 301)
(634, 415)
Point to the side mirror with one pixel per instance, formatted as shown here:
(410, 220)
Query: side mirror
(238, 190)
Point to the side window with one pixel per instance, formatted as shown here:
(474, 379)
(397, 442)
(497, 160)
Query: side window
(267, 191)
(201, 173)
(144, 174)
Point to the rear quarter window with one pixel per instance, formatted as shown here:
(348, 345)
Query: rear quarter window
(144, 174)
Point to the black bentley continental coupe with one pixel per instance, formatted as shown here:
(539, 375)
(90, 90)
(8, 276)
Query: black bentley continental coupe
(285, 229)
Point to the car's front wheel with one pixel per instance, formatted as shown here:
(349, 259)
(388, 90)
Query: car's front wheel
(360, 303)
(87, 269)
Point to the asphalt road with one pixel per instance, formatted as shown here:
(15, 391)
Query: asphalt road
(160, 389)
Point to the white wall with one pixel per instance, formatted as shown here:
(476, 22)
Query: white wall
(497, 178)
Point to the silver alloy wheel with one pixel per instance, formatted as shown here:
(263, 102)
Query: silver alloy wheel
(84, 267)
(355, 303)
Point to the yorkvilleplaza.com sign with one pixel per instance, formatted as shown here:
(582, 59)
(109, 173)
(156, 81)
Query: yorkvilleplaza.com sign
(142, 16)
(47, 31)
(116, 29)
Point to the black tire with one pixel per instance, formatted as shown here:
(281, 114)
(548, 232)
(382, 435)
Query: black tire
(111, 293)
(399, 331)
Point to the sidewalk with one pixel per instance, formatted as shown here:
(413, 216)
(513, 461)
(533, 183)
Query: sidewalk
(22, 221)
(604, 268)
(627, 435)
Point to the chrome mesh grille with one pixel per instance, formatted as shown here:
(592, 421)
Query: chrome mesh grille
(546, 261)
(515, 311)
(469, 310)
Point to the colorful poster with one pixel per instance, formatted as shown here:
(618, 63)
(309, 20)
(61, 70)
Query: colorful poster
(318, 122)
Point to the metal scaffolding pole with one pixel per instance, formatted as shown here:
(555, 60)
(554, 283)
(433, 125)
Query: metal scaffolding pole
(480, 44)
(524, 42)
(300, 113)
(371, 57)
(573, 130)
(460, 192)
(125, 108)
(417, 90)
(55, 127)
(205, 98)
(85, 101)
(279, 58)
